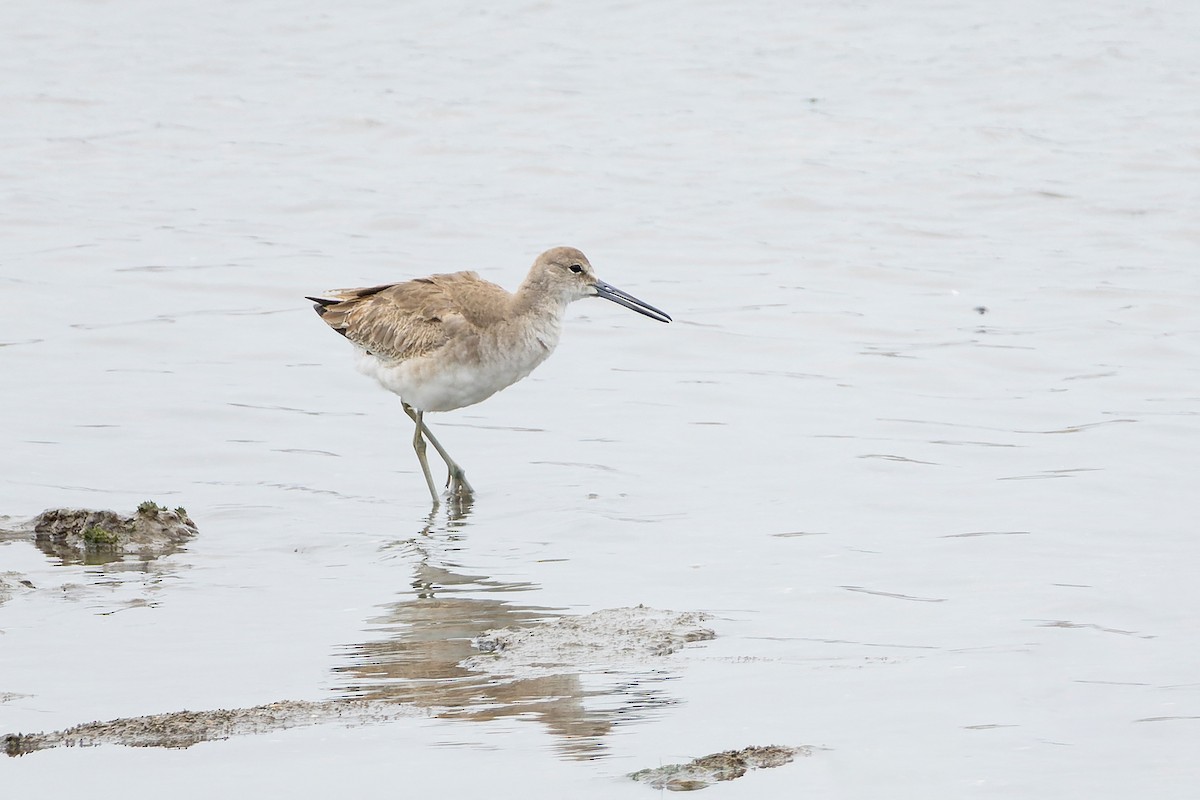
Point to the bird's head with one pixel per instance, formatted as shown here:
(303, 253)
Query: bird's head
(565, 273)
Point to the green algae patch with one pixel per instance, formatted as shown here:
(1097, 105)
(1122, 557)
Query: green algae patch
(98, 538)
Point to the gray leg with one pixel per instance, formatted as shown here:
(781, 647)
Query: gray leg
(419, 446)
(457, 480)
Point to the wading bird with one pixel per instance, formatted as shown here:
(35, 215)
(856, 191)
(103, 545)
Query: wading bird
(449, 341)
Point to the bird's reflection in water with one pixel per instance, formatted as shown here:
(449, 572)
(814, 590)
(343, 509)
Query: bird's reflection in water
(423, 638)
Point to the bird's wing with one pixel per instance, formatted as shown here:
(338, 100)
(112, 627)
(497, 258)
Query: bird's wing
(411, 319)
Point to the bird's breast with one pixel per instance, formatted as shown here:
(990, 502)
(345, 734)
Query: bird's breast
(470, 368)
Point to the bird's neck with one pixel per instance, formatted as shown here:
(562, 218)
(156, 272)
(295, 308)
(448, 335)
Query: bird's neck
(538, 315)
(532, 299)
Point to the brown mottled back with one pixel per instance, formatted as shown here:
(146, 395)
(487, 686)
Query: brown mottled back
(399, 321)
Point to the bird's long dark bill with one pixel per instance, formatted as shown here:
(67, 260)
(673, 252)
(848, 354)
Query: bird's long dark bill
(610, 292)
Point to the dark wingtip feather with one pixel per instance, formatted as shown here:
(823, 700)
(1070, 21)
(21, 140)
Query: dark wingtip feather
(321, 306)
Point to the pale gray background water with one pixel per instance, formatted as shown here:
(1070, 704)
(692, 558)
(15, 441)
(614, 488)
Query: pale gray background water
(996, 593)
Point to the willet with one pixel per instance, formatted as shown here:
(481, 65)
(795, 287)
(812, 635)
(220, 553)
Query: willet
(449, 341)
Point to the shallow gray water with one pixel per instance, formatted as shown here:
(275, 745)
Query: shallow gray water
(953, 549)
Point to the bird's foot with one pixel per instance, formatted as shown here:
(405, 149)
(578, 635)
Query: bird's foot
(457, 484)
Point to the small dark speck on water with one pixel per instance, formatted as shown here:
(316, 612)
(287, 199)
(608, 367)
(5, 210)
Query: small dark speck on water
(981, 309)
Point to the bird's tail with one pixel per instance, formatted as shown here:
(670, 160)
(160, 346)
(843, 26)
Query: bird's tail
(334, 306)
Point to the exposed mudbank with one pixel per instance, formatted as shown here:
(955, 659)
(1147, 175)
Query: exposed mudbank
(181, 729)
(605, 638)
(96, 537)
(79, 535)
(526, 657)
(727, 766)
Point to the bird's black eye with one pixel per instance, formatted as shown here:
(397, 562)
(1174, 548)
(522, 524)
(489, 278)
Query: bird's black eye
(576, 268)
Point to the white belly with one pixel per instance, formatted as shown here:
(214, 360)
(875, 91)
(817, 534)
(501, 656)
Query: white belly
(448, 378)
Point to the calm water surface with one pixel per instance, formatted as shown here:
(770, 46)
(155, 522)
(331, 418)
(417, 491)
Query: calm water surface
(921, 439)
